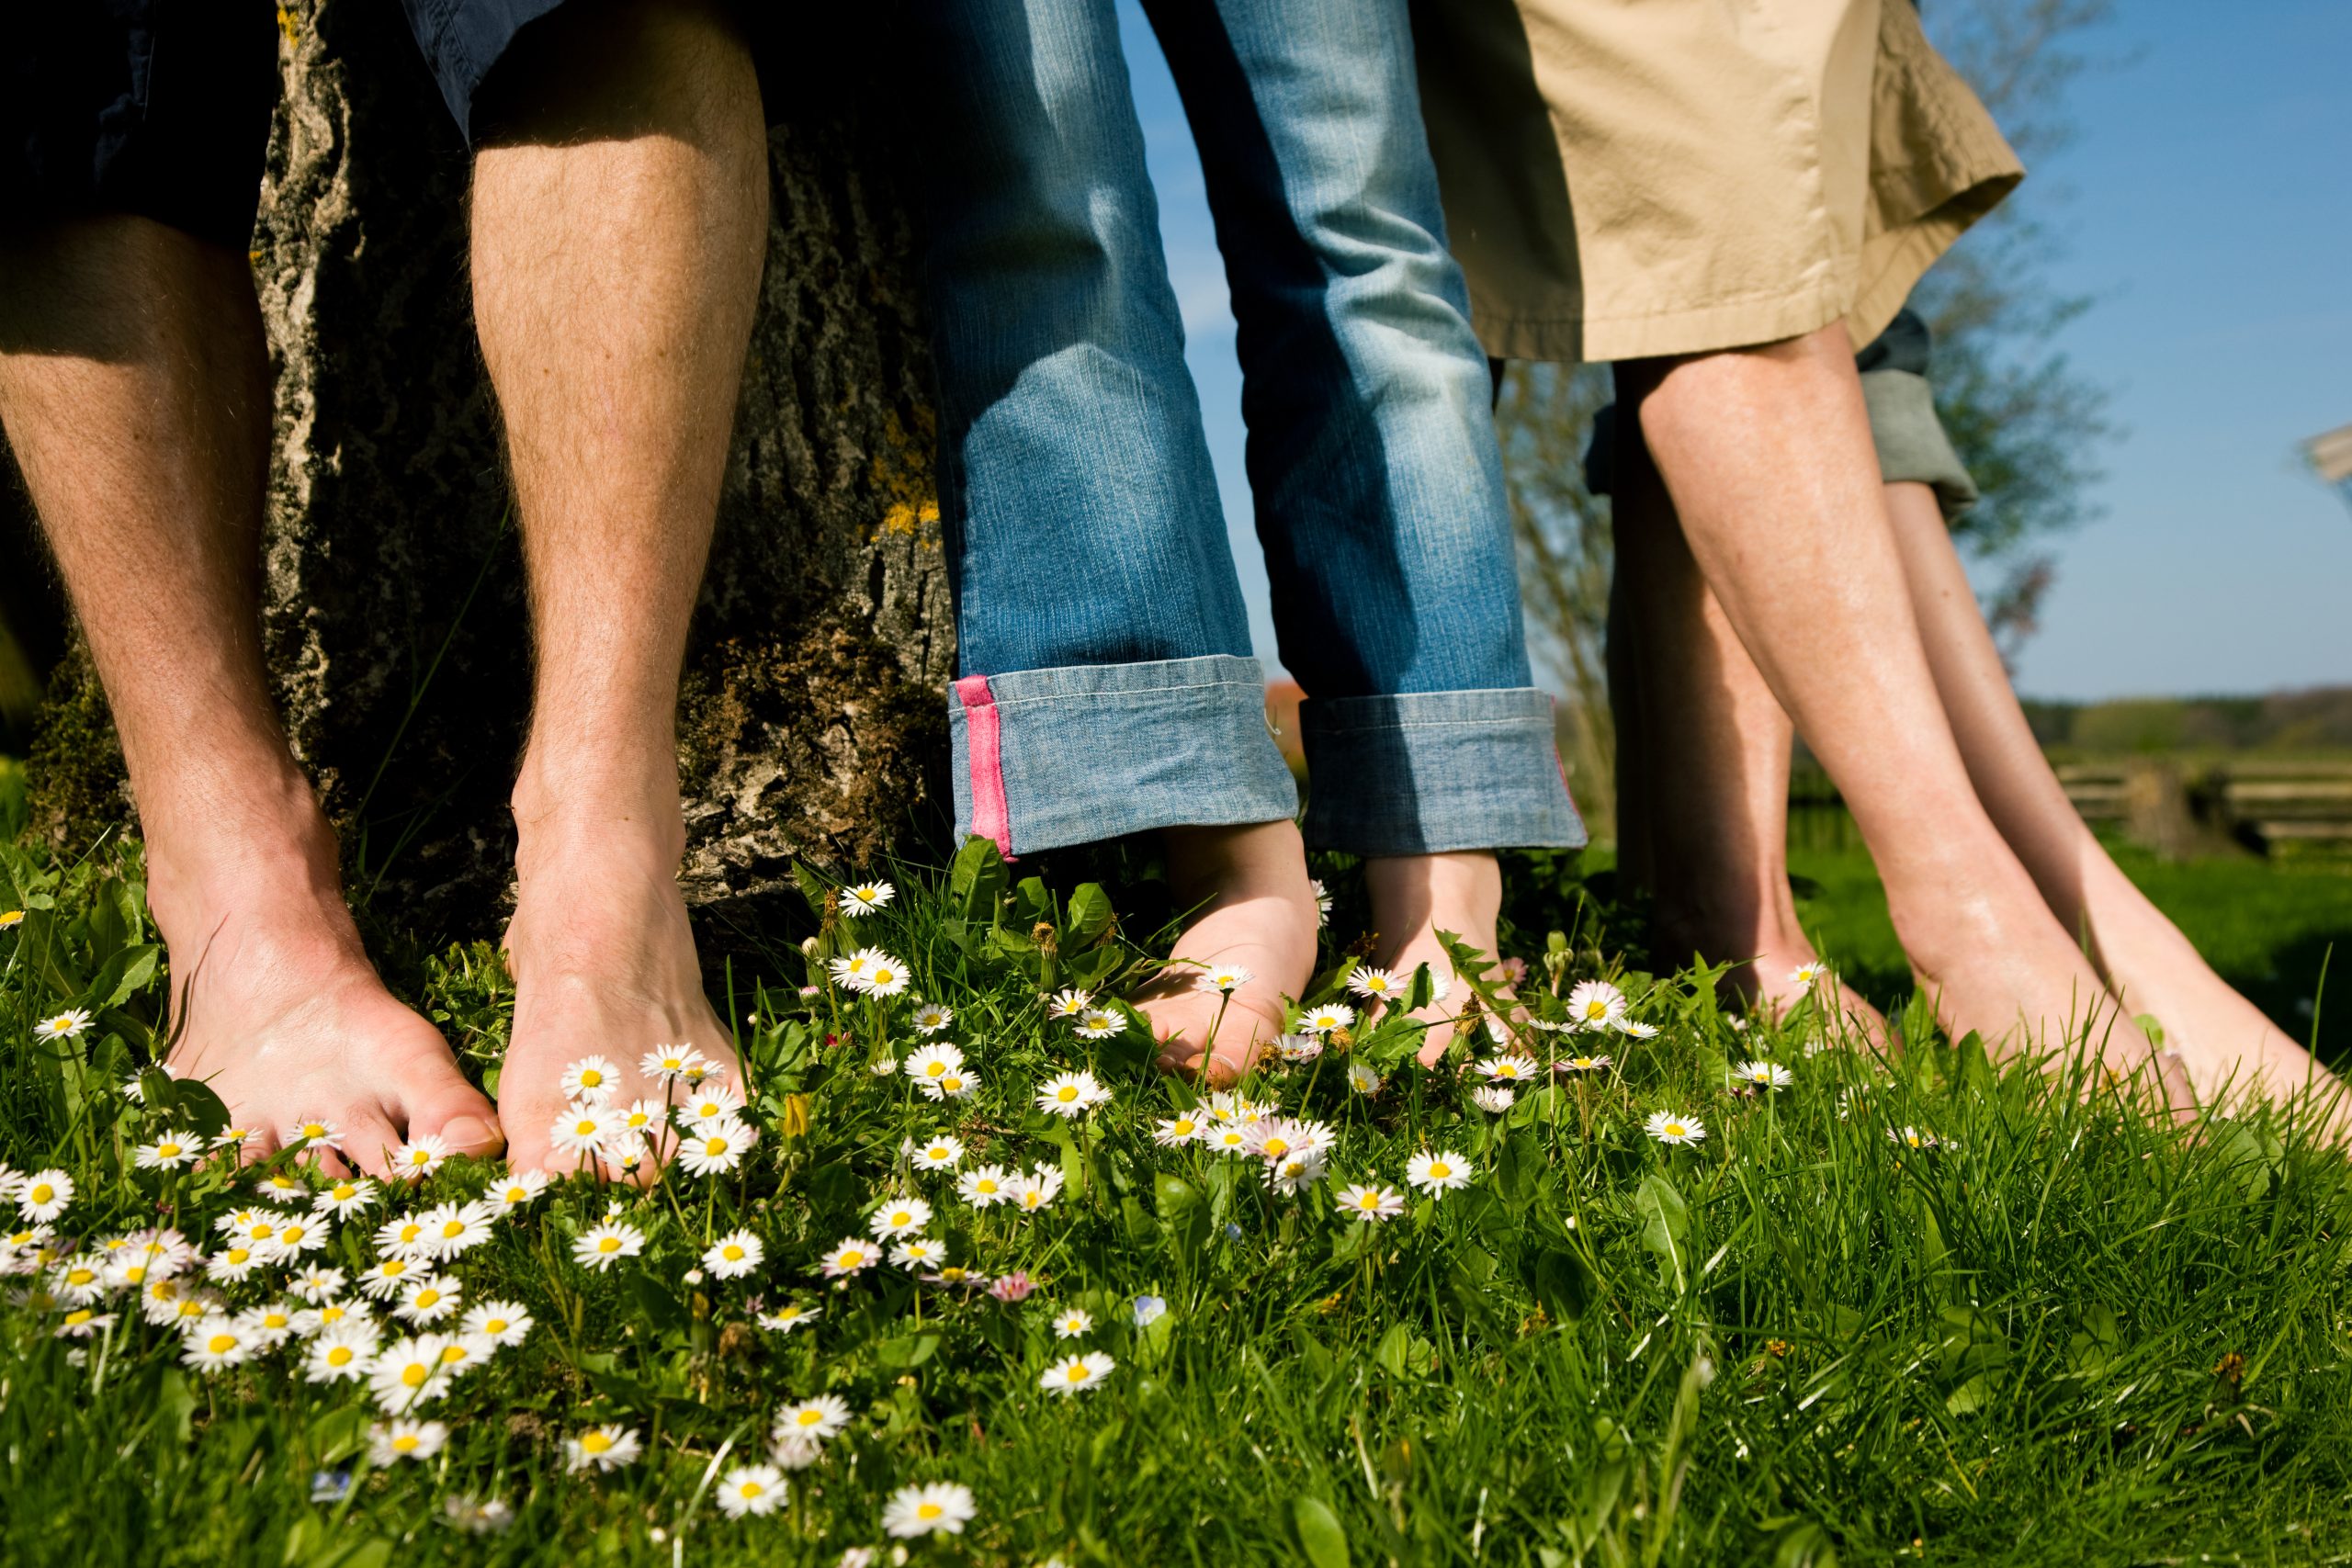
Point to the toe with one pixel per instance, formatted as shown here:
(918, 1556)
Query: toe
(368, 1140)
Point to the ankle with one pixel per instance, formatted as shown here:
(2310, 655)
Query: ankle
(1208, 865)
(600, 806)
(272, 852)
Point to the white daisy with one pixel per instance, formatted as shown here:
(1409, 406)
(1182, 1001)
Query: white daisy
(600, 1246)
(593, 1078)
(1296, 1173)
(1596, 1005)
(80, 1280)
(1322, 902)
(880, 975)
(990, 1184)
(713, 1148)
(231, 1264)
(345, 1198)
(852, 1255)
(942, 1153)
(734, 1255)
(866, 897)
(1765, 1075)
(1437, 1173)
(668, 1063)
(930, 1018)
(504, 1323)
(1381, 985)
(582, 1129)
(429, 1300)
(1072, 1323)
(419, 1440)
(269, 1325)
(1911, 1138)
(420, 1157)
(1668, 1128)
(919, 1253)
(213, 1343)
(813, 1420)
(341, 1354)
(66, 1025)
(1176, 1131)
(1362, 1080)
(83, 1322)
(1372, 1205)
(1101, 1023)
(1074, 1374)
(518, 1191)
(722, 1103)
(317, 1285)
(1805, 976)
(1072, 1003)
(1492, 1099)
(387, 1277)
(1034, 1191)
(899, 1216)
(750, 1489)
(1510, 1068)
(637, 1120)
(408, 1237)
(1327, 1018)
(929, 1063)
(409, 1372)
(169, 1152)
(44, 1195)
(1297, 1048)
(296, 1234)
(315, 1131)
(605, 1448)
(1580, 1065)
(788, 1317)
(1071, 1094)
(943, 1508)
(1223, 979)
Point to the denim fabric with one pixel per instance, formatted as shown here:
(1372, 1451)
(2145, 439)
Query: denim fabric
(463, 38)
(1084, 525)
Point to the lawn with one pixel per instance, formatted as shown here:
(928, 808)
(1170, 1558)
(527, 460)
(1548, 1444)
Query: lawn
(1919, 1312)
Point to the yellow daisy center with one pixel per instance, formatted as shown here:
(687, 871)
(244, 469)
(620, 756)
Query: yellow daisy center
(731, 1252)
(41, 1193)
(414, 1373)
(405, 1443)
(608, 1243)
(339, 1356)
(595, 1443)
(222, 1344)
(928, 1511)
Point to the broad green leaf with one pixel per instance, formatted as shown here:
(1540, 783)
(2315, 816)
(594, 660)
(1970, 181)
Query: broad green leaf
(1320, 1538)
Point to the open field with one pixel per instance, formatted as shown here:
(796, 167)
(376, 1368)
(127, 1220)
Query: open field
(2064, 1334)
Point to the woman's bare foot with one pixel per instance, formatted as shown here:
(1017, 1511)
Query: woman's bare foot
(1786, 971)
(2232, 1050)
(1416, 897)
(1255, 912)
(285, 1018)
(604, 964)
(2013, 979)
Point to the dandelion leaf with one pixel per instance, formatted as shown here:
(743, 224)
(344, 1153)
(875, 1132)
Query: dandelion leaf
(1321, 1540)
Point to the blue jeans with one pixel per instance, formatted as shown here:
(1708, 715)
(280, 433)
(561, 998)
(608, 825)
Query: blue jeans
(1107, 685)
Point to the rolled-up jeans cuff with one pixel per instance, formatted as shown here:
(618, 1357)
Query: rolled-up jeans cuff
(1083, 752)
(1424, 773)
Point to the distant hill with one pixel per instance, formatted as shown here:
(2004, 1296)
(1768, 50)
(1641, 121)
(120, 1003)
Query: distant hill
(2317, 719)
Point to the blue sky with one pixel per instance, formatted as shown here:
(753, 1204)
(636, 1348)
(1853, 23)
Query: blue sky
(2207, 205)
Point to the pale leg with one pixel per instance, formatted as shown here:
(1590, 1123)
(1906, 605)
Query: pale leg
(619, 224)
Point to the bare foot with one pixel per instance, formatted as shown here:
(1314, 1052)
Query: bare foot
(1786, 971)
(2022, 986)
(1255, 912)
(604, 964)
(2232, 1050)
(285, 1018)
(1416, 897)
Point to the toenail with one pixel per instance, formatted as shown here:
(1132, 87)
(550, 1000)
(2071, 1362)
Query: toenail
(471, 1133)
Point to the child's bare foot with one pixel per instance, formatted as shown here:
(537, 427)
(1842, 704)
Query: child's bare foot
(1416, 897)
(604, 964)
(2231, 1049)
(285, 1018)
(1256, 911)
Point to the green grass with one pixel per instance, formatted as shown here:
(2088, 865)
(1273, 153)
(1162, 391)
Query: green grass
(2073, 1335)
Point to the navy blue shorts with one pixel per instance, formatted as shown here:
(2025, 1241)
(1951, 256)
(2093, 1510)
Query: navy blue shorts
(156, 107)
(463, 38)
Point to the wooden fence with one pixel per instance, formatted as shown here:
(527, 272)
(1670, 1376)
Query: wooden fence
(2180, 808)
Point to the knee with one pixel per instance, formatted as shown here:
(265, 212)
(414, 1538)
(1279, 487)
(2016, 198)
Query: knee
(602, 69)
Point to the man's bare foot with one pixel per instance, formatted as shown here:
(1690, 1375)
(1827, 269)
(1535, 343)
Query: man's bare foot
(1255, 910)
(2231, 1051)
(285, 1018)
(604, 965)
(1414, 898)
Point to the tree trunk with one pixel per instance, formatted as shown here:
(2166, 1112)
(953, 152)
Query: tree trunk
(393, 607)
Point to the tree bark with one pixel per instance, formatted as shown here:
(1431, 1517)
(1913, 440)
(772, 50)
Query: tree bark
(394, 617)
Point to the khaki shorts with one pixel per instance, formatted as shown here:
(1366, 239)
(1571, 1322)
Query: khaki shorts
(1631, 178)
